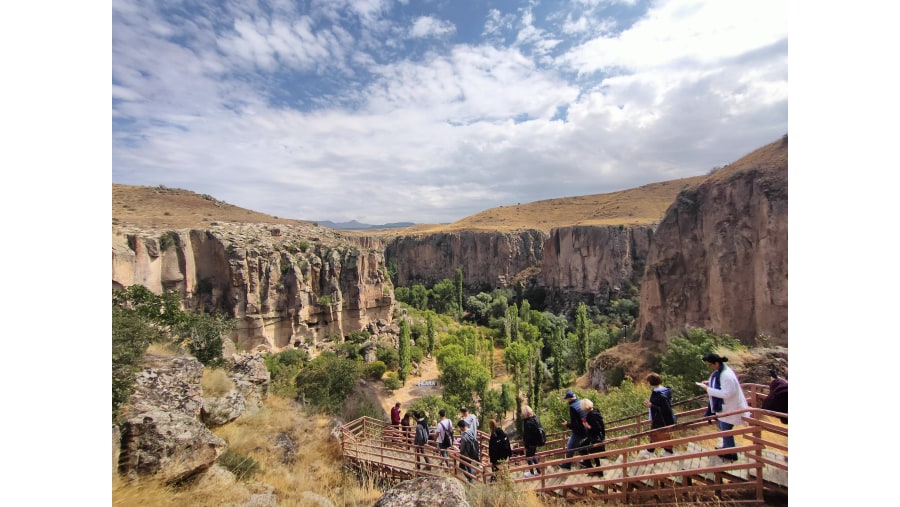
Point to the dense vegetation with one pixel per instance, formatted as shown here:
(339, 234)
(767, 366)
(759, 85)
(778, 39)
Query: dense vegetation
(140, 317)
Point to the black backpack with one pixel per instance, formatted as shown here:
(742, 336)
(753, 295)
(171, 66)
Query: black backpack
(448, 435)
(542, 436)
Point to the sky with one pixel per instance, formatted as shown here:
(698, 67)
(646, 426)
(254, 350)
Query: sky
(429, 111)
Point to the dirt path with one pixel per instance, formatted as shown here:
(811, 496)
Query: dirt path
(406, 395)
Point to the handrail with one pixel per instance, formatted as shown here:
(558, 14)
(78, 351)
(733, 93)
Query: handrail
(369, 442)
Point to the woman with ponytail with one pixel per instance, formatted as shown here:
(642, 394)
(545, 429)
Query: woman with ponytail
(725, 395)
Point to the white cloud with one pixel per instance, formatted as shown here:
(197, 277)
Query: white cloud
(426, 26)
(462, 129)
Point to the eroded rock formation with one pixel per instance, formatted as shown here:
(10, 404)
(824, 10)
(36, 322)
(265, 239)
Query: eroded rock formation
(593, 263)
(488, 259)
(284, 286)
(718, 260)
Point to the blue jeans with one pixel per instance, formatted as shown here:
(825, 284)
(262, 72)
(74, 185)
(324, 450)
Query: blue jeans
(571, 445)
(729, 440)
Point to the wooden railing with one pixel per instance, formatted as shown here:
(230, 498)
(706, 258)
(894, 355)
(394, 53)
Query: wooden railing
(372, 446)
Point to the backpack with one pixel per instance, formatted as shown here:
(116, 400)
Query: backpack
(542, 436)
(448, 436)
(421, 435)
(468, 446)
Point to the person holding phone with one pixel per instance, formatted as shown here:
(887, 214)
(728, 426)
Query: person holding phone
(725, 395)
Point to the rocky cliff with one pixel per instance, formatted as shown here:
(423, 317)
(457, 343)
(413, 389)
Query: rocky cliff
(593, 263)
(718, 259)
(488, 259)
(285, 284)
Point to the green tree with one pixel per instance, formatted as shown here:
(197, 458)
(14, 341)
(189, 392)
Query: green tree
(403, 351)
(582, 330)
(459, 292)
(444, 297)
(463, 377)
(325, 382)
(418, 297)
(430, 332)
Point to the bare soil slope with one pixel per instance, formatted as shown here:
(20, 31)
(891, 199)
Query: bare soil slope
(173, 208)
(162, 207)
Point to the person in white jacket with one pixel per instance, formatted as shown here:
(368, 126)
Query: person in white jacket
(725, 395)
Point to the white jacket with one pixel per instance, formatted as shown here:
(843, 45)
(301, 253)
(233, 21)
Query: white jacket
(730, 391)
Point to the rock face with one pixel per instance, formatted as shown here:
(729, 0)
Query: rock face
(161, 432)
(284, 287)
(488, 259)
(592, 262)
(441, 491)
(718, 259)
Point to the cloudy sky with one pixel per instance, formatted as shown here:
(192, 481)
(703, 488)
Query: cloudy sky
(431, 110)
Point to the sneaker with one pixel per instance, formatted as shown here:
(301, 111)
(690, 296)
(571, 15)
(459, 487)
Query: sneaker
(668, 453)
(645, 454)
(566, 466)
(595, 474)
(528, 474)
(729, 457)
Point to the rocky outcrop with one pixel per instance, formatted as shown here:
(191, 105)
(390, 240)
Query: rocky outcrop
(284, 286)
(161, 432)
(593, 263)
(718, 259)
(440, 491)
(488, 260)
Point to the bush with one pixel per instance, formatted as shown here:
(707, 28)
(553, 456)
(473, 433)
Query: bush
(375, 370)
(392, 382)
(389, 356)
(326, 381)
(243, 467)
(283, 369)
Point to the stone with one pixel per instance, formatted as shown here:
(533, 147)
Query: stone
(425, 491)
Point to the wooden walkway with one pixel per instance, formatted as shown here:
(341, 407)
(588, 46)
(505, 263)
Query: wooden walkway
(693, 474)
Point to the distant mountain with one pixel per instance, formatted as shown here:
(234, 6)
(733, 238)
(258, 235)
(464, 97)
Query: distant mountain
(354, 225)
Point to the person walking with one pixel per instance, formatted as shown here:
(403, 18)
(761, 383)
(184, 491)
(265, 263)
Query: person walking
(725, 395)
(596, 434)
(444, 435)
(395, 415)
(533, 436)
(470, 419)
(661, 414)
(498, 447)
(577, 424)
(468, 448)
(421, 439)
(777, 400)
(406, 429)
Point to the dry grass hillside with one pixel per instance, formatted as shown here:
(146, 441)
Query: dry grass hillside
(170, 208)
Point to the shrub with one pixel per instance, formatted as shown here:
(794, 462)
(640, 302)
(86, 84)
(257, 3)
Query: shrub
(375, 370)
(389, 356)
(283, 369)
(391, 381)
(324, 300)
(166, 241)
(243, 467)
(326, 381)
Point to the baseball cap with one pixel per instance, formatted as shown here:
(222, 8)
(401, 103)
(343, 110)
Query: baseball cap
(570, 395)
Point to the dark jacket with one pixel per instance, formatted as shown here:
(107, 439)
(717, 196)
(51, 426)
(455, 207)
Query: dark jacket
(777, 400)
(575, 418)
(531, 430)
(468, 445)
(661, 413)
(498, 447)
(597, 433)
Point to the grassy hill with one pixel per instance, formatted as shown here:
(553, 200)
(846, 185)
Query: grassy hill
(163, 207)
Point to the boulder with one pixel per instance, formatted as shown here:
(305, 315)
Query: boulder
(170, 446)
(223, 409)
(425, 491)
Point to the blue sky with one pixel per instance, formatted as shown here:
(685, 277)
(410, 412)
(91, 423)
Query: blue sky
(429, 111)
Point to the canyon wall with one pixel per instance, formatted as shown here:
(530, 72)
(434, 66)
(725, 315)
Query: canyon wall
(592, 263)
(282, 286)
(488, 260)
(718, 259)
